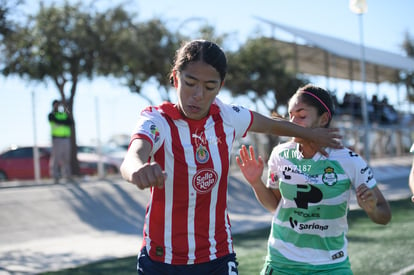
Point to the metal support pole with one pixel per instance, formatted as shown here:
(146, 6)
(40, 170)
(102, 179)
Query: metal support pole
(364, 93)
(101, 172)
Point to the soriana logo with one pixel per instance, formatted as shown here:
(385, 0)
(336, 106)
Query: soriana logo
(204, 180)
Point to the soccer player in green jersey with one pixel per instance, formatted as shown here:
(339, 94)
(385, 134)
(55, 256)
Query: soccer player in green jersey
(309, 194)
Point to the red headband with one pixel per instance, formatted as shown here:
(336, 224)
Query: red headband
(317, 98)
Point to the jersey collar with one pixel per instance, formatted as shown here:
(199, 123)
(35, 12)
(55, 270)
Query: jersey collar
(174, 113)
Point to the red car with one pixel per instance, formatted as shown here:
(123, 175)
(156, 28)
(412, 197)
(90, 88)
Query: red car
(17, 164)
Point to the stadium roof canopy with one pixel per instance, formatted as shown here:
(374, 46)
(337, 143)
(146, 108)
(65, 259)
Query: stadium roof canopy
(332, 57)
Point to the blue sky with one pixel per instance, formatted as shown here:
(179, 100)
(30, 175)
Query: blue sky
(104, 108)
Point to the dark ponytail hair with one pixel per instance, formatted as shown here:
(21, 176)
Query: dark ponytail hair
(200, 50)
(317, 97)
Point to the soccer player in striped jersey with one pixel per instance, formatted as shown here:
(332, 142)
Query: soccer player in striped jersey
(181, 152)
(309, 194)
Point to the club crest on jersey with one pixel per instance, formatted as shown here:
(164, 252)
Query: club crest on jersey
(202, 154)
(329, 177)
(204, 180)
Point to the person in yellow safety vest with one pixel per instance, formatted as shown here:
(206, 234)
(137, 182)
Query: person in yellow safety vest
(411, 176)
(61, 130)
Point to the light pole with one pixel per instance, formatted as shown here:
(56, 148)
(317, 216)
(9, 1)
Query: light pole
(360, 7)
(100, 165)
(36, 163)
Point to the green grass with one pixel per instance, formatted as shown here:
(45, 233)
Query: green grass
(376, 249)
(373, 249)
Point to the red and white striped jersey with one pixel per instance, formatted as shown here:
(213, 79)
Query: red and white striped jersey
(187, 222)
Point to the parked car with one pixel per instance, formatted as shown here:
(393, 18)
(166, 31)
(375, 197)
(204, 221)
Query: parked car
(111, 157)
(17, 163)
(110, 154)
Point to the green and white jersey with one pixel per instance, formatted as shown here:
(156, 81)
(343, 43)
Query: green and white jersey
(310, 223)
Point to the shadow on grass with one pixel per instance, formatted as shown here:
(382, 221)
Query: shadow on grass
(377, 257)
(111, 203)
(124, 266)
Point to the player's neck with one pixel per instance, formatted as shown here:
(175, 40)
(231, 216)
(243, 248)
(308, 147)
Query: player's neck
(307, 151)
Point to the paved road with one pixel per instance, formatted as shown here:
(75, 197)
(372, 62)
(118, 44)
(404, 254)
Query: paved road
(45, 227)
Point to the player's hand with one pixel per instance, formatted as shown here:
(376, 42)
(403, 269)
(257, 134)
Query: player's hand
(149, 175)
(251, 167)
(366, 198)
(322, 138)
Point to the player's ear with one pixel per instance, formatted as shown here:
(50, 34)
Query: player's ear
(324, 119)
(173, 79)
